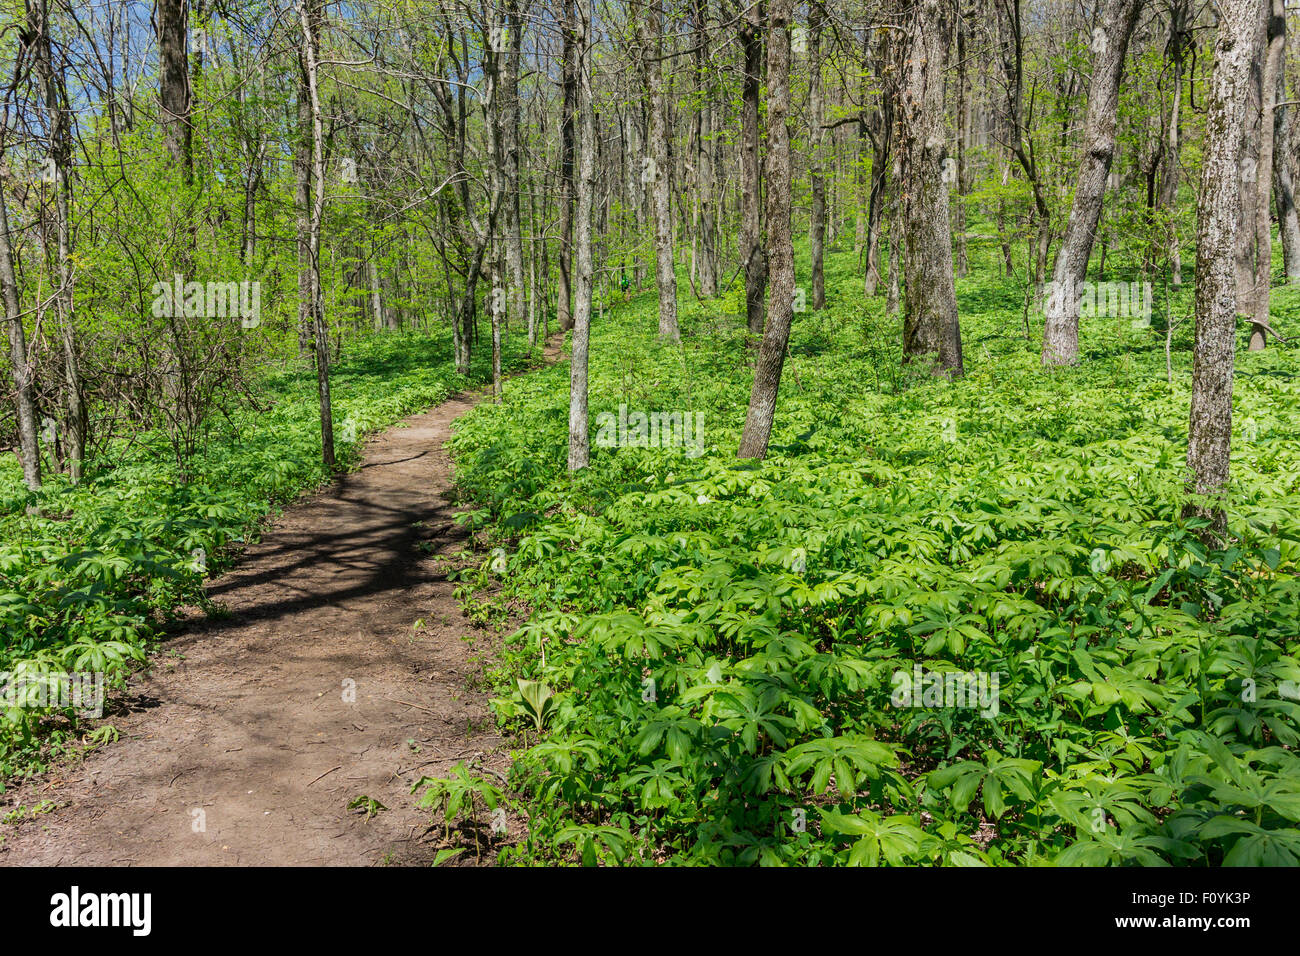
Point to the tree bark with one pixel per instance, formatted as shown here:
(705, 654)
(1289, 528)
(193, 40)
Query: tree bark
(174, 83)
(963, 135)
(816, 159)
(780, 243)
(309, 19)
(751, 200)
(1061, 312)
(930, 323)
(1247, 240)
(1264, 185)
(564, 296)
(1284, 184)
(705, 175)
(657, 168)
(579, 438)
(509, 93)
(881, 132)
(302, 177)
(60, 150)
(1179, 37)
(24, 393)
(1210, 424)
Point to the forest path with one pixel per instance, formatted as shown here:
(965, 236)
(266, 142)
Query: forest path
(239, 747)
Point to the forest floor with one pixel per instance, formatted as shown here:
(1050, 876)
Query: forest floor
(341, 667)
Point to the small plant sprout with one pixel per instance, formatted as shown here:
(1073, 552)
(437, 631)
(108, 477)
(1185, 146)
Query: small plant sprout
(367, 806)
(539, 700)
(458, 796)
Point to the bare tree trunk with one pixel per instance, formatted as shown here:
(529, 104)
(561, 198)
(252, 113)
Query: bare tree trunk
(963, 135)
(780, 243)
(579, 437)
(1264, 185)
(24, 394)
(751, 185)
(1284, 185)
(816, 159)
(1180, 35)
(1061, 312)
(498, 313)
(564, 302)
(930, 322)
(514, 240)
(376, 294)
(172, 19)
(705, 176)
(60, 148)
(495, 118)
(1020, 141)
(1247, 240)
(302, 173)
(1210, 425)
(310, 22)
(174, 83)
(657, 168)
(881, 131)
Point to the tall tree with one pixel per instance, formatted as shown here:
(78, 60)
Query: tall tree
(1017, 120)
(20, 361)
(1247, 236)
(511, 203)
(1274, 51)
(1180, 35)
(1210, 424)
(705, 177)
(579, 437)
(752, 251)
(930, 325)
(657, 166)
(780, 242)
(309, 19)
(174, 82)
(1288, 216)
(1110, 41)
(880, 128)
(817, 149)
(569, 91)
(58, 124)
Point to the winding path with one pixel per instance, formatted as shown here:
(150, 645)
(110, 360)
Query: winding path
(243, 745)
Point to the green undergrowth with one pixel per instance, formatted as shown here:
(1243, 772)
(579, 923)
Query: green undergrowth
(729, 645)
(99, 569)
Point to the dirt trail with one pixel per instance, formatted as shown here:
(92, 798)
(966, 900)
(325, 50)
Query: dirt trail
(239, 747)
